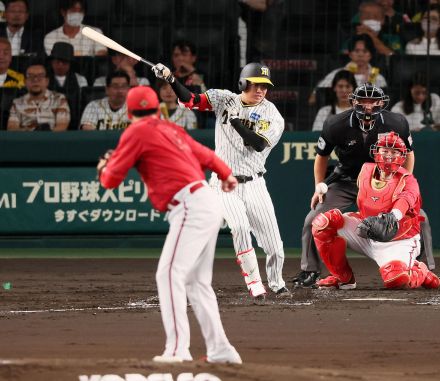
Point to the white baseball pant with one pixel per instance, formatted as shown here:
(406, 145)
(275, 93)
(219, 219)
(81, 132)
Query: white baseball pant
(185, 270)
(405, 250)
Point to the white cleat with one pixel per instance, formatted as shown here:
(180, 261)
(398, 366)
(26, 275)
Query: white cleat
(230, 356)
(167, 359)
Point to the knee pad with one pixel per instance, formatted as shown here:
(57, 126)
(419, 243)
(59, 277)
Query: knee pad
(325, 225)
(395, 274)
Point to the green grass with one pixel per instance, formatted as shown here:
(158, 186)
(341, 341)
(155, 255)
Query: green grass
(124, 253)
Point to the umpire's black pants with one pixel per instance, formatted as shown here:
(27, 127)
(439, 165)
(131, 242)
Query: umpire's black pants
(341, 195)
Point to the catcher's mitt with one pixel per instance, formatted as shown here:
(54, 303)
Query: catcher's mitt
(381, 228)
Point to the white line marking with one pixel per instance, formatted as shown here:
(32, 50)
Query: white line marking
(374, 300)
(131, 306)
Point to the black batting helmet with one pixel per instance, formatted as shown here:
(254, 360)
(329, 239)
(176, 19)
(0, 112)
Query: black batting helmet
(255, 73)
(363, 113)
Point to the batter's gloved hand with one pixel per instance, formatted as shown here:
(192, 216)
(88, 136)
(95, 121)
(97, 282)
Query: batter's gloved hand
(233, 108)
(162, 72)
(103, 160)
(381, 228)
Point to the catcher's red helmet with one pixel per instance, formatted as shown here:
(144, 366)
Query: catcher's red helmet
(389, 152)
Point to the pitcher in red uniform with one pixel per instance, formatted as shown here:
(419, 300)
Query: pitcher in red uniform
(172, 166)
(389, 191)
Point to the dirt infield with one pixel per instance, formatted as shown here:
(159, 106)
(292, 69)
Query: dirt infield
(75, 319)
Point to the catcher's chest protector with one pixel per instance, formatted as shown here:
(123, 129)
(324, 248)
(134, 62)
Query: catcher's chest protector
(371, 200)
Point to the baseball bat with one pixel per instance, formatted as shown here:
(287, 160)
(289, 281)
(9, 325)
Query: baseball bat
(111, 44)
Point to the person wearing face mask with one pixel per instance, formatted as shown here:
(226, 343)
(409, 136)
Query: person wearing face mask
(371, 21)
(73, 13)
(419, 46)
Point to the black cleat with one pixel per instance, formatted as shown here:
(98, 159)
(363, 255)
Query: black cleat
(259, 300)
(306, 279)
(283, 293)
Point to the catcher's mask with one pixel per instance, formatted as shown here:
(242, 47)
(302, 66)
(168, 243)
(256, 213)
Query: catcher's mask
(389, 153)
(368, 102)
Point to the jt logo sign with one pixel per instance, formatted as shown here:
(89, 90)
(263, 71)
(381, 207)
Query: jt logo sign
(300, 151)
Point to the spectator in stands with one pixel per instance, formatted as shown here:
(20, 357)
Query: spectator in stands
(73, 14)
(361, 50)
(40, 109)
(64, 80)
(184, 59)
(371, 21)
(8, 77)
(419, 108)
(419, 46)
(343, 85)
(394, 20)
(24, 41)
(125, 63)
(110, 112)
(170, 110)
(417, 14)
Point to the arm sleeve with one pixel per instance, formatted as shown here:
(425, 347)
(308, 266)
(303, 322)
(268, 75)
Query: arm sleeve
(124, 157)
(189, 99)
(257, 142)
(409, 196)
(208, 158)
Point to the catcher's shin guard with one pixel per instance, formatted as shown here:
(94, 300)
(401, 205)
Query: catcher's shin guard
(247, 260)
(431, 280)
(331, 247)
(395, 274)
(417, 274)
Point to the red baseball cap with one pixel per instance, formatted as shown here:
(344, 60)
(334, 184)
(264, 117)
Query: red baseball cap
(142, 98)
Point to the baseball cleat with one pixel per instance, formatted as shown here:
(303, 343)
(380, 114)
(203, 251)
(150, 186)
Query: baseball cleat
(259, 300)
(230, 356)
(283, 292)
(306, 279)
(167, 359)
(331, 282)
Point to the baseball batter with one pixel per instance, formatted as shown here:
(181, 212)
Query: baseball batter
(247, 127)
(386, 228)
(172, 165)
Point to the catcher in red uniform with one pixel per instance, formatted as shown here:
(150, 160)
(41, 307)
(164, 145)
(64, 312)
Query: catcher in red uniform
(386, 228)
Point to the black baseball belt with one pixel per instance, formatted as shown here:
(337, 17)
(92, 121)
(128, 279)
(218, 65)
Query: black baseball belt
(244, 179)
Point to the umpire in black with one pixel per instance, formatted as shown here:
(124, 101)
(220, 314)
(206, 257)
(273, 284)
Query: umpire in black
(351, 134)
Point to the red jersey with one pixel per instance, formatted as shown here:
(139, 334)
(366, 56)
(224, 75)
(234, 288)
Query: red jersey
(376, 197)
(165, 156)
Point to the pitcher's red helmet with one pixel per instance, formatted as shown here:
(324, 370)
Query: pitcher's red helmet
(393, 153)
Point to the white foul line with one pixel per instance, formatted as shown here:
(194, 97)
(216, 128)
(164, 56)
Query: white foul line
(132, 306)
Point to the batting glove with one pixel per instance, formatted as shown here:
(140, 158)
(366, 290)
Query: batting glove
(162, 72)
(233, 108)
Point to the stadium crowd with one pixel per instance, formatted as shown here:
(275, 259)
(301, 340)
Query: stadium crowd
(54, 78)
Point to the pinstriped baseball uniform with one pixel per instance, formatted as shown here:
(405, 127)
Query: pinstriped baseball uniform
(99, 114)
(249, 209)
